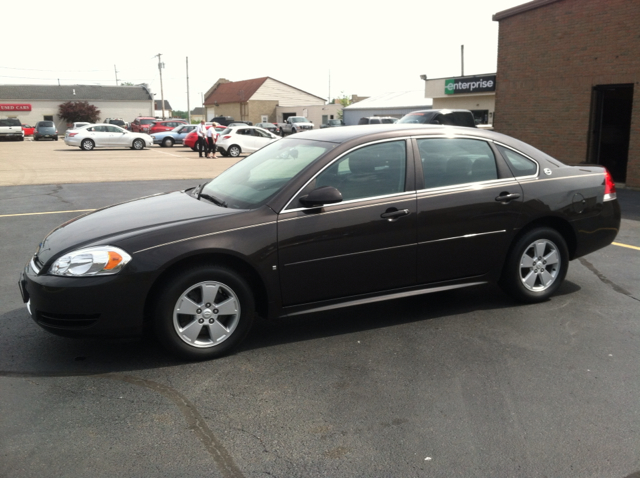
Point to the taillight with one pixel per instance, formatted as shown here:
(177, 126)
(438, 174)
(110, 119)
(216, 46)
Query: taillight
(609, 187)
(71, 135)
(226, 137)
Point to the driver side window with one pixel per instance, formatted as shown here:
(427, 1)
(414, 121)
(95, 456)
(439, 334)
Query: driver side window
(371, 171)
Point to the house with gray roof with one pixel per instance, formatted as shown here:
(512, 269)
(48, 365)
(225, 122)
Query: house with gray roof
(33, 103)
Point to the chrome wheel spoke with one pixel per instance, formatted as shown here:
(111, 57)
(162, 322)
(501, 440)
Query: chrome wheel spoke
(526, 261)
(191, 331)
(540, 247)
(217, 332)
(209, 293)
(552, 257)
(227, 307)
(530, 279)
(187, 306)
(546, 278)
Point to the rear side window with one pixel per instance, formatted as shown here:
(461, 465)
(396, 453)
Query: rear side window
(10, 122)
(447, 162)
(519, 164)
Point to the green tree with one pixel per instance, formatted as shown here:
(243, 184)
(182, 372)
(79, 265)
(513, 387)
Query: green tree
(180, 114)
(127, 83)
(344, 100)
(73, 111)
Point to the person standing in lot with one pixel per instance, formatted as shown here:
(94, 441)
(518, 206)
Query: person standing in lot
(211, 142)
(201, 144)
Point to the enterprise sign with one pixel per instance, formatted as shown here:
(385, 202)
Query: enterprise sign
(14, 107)
(470, 84)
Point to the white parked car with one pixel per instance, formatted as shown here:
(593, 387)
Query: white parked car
(106, 136)
(243, 139)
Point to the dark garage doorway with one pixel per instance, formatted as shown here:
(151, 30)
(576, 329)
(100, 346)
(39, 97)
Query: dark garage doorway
(611, 109)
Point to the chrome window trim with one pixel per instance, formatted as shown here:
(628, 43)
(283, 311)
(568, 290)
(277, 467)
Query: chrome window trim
(387, 140)
(333, 208)
(466, 236)
(518, 178)
(465, 187)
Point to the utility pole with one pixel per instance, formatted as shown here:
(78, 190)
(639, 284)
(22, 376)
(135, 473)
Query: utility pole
(114, 69)
(160, 67)
(188, 107)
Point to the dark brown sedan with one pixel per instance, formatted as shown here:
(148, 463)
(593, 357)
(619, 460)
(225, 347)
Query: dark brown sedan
(325, 219)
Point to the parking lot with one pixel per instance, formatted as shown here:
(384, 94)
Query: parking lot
(462, 383)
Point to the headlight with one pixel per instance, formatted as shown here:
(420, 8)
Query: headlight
(92, 261)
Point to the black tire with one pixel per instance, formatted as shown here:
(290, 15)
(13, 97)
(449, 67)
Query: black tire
(204, 332)
(35, 139)
(536, 266)
(56, 138)
(138, 144)
(234, 151)
(168, 142)
(194, 149)
(87, 144)
(293, 131)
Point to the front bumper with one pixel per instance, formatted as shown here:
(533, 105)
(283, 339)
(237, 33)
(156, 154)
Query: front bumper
(107, 306)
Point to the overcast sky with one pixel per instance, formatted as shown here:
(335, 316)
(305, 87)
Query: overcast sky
(326, 48)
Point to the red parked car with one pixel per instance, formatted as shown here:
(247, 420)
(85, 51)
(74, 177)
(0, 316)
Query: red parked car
(142, 124)
(165, 125)
(190, 139)
(28, 130)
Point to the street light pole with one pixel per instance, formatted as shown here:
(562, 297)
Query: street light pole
(160, 67)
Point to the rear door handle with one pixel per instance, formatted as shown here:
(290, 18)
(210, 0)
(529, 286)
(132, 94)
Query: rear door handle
(394, 214)
(506, 197)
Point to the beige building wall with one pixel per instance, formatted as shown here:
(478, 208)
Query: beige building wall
(287, 95)
(126, 110)
(313, 113)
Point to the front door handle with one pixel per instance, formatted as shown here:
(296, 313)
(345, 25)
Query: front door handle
(506, 197)
(392, 214)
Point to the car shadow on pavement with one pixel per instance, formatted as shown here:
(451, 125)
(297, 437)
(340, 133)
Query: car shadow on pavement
(27, 350)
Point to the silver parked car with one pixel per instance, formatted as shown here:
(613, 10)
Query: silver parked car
(106, 136)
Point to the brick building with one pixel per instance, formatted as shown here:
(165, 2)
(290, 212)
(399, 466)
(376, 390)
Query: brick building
(567, 71)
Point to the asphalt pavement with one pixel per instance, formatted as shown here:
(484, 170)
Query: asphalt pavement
(466, 383)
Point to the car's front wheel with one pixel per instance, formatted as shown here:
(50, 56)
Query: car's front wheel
(87, 144)
(234, 151)
(204, 312)
(536, 266)
(137, 144)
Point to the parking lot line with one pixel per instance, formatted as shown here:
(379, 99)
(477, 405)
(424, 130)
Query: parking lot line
(625, 245)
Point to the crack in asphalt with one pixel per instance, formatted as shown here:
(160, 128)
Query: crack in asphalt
(604, 279)
(195, 421)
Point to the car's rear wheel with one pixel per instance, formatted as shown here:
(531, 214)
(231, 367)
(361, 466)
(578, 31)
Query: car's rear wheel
(536, 266)
(194, 148)
(137, 144)
(87, 144)
(204, 312)
(167, 142)
(234, 151)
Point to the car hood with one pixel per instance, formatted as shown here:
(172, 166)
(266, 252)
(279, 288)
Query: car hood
(111, 224)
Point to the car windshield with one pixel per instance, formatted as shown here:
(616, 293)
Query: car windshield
(147, 121)
(297, 119)
(251, 182)
(414, 118)
(46, 124)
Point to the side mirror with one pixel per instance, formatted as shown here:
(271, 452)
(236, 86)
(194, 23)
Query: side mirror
(321, 196)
